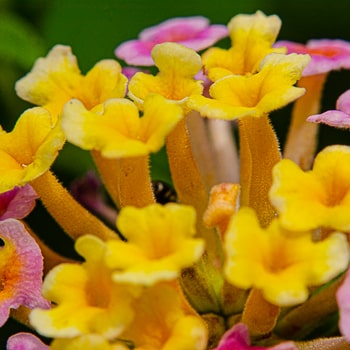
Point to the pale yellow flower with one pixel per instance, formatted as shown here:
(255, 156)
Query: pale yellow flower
(283, 267)
(116, 130)
(56, 78)
(159, 244)
(252, 37)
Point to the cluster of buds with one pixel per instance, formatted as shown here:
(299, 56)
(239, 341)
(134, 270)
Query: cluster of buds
(253, 252)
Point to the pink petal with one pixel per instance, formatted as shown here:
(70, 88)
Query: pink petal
(343, 300)
(193, 32)
(237, 338)
(176, 28)
(343, 102)
(25, 341)
(17, 203)
(334, 118)
(206, 38)
(20, 269)
(135, 52)
(326, 54)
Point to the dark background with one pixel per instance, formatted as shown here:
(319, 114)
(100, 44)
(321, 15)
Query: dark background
(29, 28)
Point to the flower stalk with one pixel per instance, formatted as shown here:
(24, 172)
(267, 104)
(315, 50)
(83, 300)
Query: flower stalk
(259, 150)
(301, 140)
(74, 219)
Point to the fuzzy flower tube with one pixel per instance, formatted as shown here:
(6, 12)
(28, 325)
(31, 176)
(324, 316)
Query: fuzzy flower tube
(260, 262)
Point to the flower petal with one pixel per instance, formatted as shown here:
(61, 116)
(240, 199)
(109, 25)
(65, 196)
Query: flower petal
(21, 267)
(25, 341)
(159, 244)
(30, 149)
(17, 203)
(192, 32)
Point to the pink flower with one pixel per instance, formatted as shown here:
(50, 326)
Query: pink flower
(339, 118)
(17, 203)
(326, 54)
(193, 32)
(343, 300)
(237, 338)
(21, 266)
(25, 341)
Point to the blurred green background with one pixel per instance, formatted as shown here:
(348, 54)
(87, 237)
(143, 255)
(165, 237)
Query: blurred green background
(93, 28)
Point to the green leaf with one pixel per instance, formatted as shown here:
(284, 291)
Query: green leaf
(19, 42)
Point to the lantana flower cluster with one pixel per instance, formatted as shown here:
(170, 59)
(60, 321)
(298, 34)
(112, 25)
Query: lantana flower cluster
(253, 250)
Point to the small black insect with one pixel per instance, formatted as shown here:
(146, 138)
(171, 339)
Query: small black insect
(163, 192)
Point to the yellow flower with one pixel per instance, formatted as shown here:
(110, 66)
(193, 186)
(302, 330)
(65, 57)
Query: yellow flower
(177, 66)
(236, 96)
(117, 130)
(316, 198)
(159, 244)
(252, 37)
(87, 300)
(56, 79)
(281, 266)
(29, 150)
(162, 322)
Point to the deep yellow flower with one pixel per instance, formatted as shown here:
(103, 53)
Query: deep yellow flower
(177, 66)
(116, 130)
(316, 198)
(56, 79)
(29, 150)
(87, 300)
(163, 323)
(283, 267)
(159, 244)
(236, 96)
(252, 37)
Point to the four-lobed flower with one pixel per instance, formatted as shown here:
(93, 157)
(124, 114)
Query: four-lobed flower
(308, 200)
(116, 130)
(175, 81)
(283, 267)
(159, 245)
(86, 299)
(252, 37)
(56, 79)
(30, 149)
(236, 96)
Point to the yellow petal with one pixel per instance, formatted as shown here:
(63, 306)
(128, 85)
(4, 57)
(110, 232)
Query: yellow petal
(177, 66)
(56, 79)
(252, 38)
(56, 75)
(30, 149)
(254, 95)
(283, 267)
(160, 308)
(86, 299)
(117, 131)
(159, 244)
(317, 198)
